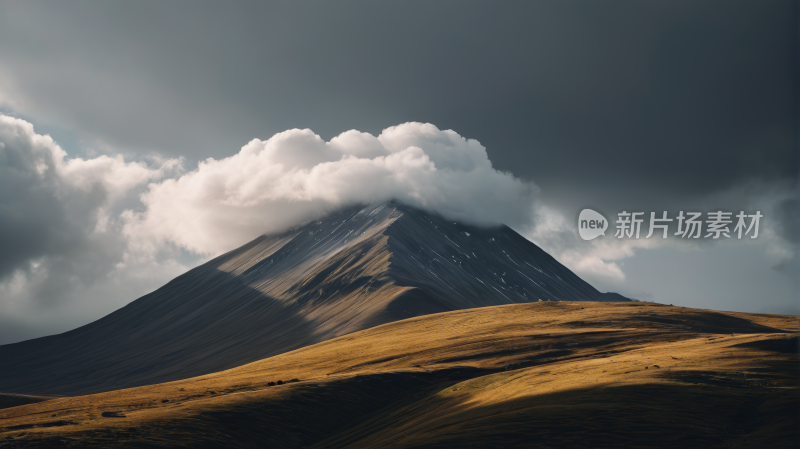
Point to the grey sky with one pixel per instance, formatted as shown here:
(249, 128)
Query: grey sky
(661, 105)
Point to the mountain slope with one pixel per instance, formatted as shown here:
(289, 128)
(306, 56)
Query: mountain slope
(353, 270)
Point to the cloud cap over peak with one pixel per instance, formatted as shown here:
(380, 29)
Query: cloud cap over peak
(295, 176)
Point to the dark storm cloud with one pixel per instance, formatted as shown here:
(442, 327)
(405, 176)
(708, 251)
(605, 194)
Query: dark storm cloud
(38, 217)
(675, 98)
(788, 220)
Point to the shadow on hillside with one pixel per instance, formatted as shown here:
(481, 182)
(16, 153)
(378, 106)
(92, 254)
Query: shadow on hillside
(647, 415)
(690, 321)
(306, 412)
(204, 321)
(789, 345)
(13, 400)
(404, 410)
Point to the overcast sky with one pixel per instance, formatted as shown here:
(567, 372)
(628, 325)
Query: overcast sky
(559, 105)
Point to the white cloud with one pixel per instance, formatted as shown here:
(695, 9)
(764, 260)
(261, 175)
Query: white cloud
(268, 186)
(296, 176)
(595, 260)
(116, 176)
(60, 229)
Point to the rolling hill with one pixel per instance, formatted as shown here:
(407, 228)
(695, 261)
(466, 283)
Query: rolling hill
(548, 374)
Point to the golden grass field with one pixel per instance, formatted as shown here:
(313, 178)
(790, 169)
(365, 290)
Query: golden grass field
(548, 375)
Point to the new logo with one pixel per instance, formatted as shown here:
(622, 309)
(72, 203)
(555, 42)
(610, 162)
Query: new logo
(591, 224)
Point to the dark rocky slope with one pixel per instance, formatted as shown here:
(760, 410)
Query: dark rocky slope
(354, 269)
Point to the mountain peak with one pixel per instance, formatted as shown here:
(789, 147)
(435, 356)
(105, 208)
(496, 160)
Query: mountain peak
(359, 267)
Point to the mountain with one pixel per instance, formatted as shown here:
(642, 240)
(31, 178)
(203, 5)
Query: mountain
(355, 269)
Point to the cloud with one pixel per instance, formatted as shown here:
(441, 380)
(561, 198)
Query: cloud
(296, 176)
(598, 260)
(83, 236)
(51, 205)
(60, 230)
(788, 220)
(90, 234)
(60, 212)
(602, 262)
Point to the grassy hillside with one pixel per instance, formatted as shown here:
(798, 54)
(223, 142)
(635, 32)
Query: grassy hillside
(568, 374)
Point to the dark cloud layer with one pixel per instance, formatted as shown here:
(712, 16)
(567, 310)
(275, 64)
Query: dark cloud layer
(788, 219)
(692, 95)
(620, 104)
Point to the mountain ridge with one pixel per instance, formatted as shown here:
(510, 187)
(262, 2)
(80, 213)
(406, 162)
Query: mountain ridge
(354, 269)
